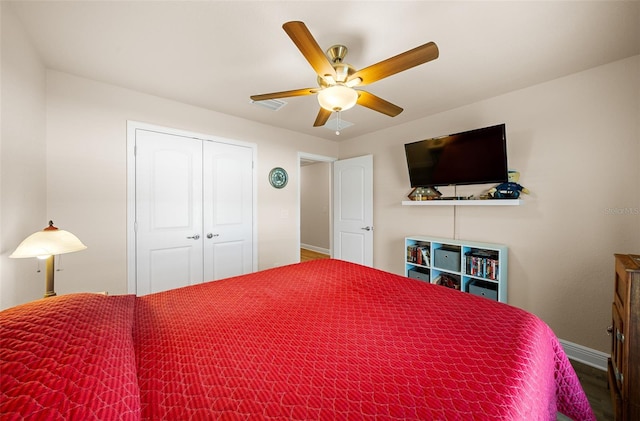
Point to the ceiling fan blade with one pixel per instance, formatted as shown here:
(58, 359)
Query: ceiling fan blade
(397, 64)
(378, 104)
(302, 38)
(321, 119)
(284, 94)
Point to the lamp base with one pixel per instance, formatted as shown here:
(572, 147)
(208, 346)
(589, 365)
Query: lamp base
(48, 277)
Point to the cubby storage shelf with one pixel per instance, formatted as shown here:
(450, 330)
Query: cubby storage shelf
(468, 202)
(475, 267)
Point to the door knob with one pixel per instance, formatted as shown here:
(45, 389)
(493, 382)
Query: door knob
(210, 235)
(367, 228)
(194, 237)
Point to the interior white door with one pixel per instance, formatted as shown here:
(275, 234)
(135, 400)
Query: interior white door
(228, 210)
(353, 210)
(168, 211)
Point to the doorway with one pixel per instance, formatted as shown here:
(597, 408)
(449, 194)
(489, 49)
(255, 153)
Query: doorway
(347, 211)
(314, 206)
(353, 210)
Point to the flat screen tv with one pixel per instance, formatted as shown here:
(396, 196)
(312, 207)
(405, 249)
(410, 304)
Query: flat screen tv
(473, 157)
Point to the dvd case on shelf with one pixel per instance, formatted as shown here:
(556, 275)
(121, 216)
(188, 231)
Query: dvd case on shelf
(482, 263)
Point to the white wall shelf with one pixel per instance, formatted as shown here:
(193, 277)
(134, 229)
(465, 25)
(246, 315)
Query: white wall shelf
(468, 202)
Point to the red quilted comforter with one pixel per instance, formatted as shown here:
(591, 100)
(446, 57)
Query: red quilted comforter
(319, 340)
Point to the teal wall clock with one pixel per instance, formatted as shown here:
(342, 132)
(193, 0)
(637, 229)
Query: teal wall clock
(278, 177)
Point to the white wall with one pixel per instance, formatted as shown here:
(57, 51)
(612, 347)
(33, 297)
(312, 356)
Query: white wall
(86, 177)
(576, 142)
(22, 160)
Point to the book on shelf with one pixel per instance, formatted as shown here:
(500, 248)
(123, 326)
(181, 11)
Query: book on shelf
(419, 254)
(426, 256)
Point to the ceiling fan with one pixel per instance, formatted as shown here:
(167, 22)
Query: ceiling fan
(337, 79)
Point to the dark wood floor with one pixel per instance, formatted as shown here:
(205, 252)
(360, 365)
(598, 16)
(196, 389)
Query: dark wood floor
(594, 383)
(593, 380)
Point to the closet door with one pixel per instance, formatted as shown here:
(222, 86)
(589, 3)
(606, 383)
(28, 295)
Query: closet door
(169, 244)
(193, 210)
(228, 210)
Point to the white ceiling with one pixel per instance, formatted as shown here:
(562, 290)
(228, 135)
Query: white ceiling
(215, 54)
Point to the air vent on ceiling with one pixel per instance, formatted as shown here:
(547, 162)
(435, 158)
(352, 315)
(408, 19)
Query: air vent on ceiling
(333, 124)
(272, 104)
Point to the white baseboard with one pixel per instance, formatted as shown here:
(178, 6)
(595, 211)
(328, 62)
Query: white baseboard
(316, 249)
(588, 356)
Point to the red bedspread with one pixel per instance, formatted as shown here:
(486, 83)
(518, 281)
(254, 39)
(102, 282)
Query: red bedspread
(333, 340)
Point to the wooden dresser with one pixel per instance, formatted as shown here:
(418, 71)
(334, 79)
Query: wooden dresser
(624, 364)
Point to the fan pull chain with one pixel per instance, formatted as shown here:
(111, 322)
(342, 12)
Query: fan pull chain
(338, 123)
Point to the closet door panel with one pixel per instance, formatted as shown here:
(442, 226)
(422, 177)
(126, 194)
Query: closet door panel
(228, 210)
(168, 211)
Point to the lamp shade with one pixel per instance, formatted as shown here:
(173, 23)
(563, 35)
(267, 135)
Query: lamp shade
(48, 242)
(337, 98)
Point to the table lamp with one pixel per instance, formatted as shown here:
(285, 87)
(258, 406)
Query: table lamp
(46, 244)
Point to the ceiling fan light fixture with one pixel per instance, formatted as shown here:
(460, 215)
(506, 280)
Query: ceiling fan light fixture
(329, 80)
(337, 79)
(353, 82)
(337, 98)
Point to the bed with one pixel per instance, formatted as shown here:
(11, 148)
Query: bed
(319, 340)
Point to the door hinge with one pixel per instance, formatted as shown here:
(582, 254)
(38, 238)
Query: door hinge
(617, 373)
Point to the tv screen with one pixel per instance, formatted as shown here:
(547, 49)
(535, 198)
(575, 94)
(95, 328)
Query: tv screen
(474, 157)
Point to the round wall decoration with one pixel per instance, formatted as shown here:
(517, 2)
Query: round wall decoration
(278, 177)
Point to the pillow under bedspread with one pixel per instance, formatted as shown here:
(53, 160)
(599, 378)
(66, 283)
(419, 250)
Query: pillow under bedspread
(69, 357)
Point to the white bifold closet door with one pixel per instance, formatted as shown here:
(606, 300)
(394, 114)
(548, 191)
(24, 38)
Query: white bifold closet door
(194, 210)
